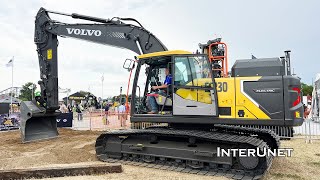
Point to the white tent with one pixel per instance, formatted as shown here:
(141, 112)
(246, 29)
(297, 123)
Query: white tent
(317, 77)
(315, 103)
(7, 99)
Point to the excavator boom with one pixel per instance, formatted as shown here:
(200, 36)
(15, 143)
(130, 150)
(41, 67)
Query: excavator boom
(39, 116)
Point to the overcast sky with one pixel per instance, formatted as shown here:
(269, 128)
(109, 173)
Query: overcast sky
(262, 28)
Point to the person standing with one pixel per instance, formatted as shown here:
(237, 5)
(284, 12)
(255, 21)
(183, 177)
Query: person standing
(106, 111)
(78, 110)
(63, 108)
(122, 113)
(69, 108)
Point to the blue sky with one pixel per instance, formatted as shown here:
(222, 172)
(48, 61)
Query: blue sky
(261, 28)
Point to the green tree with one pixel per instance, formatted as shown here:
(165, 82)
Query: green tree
(84, 93)
(306, 89)
(26, 91)
(117, 98)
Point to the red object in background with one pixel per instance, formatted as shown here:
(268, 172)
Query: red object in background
(309, 98)
(127, 108)
(308, 106)
(154, 95)
(306, 112)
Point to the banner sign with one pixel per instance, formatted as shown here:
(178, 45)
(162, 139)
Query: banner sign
(10, 122)
(76, 98)
(65, 120)
(4, 108)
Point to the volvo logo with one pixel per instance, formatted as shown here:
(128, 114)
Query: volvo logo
(84, 32)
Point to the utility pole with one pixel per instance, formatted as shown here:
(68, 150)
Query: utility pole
(31, 87)
(68, 91)
(120, 95)
(11, 109)
(102, 79)
(119, 103)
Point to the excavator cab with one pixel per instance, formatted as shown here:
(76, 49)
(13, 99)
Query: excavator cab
(191, 92)
(151, 72)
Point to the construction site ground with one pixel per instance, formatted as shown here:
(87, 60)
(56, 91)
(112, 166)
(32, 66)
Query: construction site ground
(78, 147)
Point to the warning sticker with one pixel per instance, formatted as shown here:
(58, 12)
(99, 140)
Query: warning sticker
(49, 54)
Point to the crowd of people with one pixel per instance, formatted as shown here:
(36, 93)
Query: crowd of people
(122, 113)
(78, 108)
(71, 108)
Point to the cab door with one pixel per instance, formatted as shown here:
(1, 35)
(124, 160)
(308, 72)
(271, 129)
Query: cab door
(193, 88)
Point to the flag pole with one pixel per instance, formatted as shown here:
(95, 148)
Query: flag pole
(11, 109)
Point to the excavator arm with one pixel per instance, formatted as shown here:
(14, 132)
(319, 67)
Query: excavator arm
(38, 117)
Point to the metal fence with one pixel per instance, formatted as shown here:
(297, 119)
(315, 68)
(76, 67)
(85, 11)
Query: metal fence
(98, 121)
(310, 130)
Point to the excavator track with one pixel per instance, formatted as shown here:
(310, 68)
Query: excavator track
(188, 151)
(267, 135)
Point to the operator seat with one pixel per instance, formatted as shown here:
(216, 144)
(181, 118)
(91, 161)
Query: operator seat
(165, 100)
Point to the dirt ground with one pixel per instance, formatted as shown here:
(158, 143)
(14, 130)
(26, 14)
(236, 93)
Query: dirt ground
(304, 163)
(78, 147)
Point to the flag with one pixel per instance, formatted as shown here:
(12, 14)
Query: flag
(253, 57)
(10, 63)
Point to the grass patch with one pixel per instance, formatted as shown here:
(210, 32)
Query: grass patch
(291, 176)
(316, 163)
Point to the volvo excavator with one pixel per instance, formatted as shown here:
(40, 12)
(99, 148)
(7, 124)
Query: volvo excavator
(201, 108)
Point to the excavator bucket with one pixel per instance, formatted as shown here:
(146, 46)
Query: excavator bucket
(36, 124)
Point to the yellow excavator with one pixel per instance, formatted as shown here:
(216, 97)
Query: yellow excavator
(203, 104)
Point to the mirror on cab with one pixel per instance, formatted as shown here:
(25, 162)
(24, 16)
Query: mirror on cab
(129, 64)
